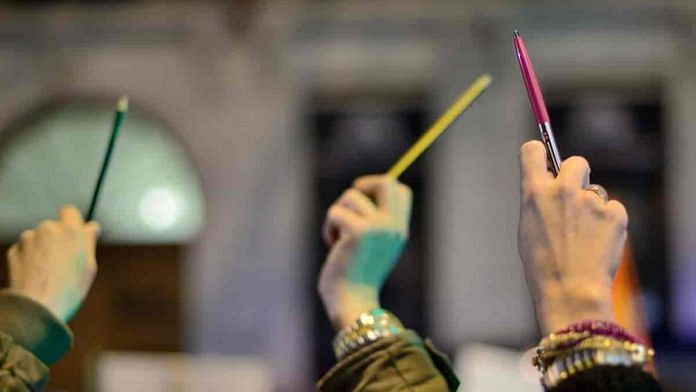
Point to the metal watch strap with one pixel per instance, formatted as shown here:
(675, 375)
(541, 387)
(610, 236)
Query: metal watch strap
(369, 327)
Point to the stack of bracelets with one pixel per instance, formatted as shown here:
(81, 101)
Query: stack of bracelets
(585, 345)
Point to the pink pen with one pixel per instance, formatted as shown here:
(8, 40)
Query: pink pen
(538, 105)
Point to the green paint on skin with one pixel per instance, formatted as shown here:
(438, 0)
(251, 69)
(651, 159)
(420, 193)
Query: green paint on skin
(377, 255)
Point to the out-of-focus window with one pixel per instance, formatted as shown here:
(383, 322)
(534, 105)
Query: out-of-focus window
(52, 157)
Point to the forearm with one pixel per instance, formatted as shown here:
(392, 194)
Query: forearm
(561, 304)
(344, 303)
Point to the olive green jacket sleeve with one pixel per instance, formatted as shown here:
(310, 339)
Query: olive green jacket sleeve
(31, 338)
(399, 363)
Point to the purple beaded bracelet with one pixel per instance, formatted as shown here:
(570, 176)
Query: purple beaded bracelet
(603, 328)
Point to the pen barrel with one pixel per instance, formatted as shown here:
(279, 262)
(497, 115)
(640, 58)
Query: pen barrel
(536, 99)
(552, 154)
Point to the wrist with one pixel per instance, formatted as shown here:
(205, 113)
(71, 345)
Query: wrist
(366, 329)
(562, 305)
(39, 299)
(344, 303)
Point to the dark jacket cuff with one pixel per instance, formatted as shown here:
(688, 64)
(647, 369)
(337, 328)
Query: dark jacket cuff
(443, 364)
(610, 379)
(34, 327)
(401, 361)
(19, 369)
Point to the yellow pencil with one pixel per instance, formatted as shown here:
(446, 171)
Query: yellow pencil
(448, 118)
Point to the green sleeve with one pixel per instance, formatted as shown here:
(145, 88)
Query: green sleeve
(34, 327)
(398, 363)
(20, 370)
(30, 337)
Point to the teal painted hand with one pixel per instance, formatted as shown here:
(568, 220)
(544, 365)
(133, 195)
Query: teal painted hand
(54, 264)
(366, 230)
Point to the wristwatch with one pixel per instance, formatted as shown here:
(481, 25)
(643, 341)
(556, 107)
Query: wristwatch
(369, 327)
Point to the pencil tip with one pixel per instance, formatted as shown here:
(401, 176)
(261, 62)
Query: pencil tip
(123, 104)
(517, 34)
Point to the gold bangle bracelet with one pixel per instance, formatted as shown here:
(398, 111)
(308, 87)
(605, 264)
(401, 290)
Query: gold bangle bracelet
(566, 366)
(545, 357)
(592, 342)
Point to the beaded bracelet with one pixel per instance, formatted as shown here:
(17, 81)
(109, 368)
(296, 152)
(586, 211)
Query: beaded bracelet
(600, 327)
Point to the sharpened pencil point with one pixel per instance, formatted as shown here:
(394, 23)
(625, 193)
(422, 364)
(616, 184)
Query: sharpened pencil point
(123, 104)
(517, 34)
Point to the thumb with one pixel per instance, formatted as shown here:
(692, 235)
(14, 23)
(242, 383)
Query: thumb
(93, 229)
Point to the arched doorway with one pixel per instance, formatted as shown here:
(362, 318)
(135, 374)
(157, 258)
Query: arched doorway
(152, 206)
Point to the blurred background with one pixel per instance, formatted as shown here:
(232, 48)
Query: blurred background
(247, 120)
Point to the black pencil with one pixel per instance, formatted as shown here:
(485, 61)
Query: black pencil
(121, 109)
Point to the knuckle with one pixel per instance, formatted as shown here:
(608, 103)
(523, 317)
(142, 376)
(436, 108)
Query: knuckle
(566, 189)
(577, 162)
(361, 179)
(532, 191)
(333, 211)
(592, 200)
(70, 207)
(530, 146)
(351, 193)
(617, 213)
(347, 193)
(26, 235)
(47, 225)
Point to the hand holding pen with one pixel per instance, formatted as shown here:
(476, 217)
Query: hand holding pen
(541, 115)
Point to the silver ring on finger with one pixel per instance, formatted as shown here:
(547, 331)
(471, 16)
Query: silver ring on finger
(599, 190)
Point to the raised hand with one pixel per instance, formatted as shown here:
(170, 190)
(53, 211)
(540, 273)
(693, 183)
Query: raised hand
(366, 229)
(570, 240)
(54, 264)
